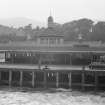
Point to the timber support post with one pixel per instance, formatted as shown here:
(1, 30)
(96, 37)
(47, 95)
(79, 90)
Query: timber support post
(57, 79)
(45, 79)
(33, 79)
(69, 75)
(96, 81)
(0, 75)
(21, 78)
(83, 80)
(10, 78)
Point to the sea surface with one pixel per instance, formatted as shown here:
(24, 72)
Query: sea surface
(60, 97)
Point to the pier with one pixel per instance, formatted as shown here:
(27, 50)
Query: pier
(70, 77)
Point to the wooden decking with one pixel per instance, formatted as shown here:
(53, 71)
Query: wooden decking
(36, 67)
(50, 67)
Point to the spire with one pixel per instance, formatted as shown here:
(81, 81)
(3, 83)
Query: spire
(50, 20)
(50, 12)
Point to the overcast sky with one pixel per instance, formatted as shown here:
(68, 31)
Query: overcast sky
(62, 10)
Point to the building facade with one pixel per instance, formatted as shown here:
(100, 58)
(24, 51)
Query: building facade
(51, 35)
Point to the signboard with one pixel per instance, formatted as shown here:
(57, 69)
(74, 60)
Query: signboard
(2, 57)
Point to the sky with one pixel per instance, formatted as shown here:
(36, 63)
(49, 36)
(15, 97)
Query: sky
(61, 10)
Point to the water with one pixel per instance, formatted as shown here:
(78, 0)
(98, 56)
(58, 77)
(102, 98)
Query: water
(17, 97)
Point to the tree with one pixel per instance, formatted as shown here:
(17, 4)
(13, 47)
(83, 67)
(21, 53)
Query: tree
(98, 32)
(74, 28)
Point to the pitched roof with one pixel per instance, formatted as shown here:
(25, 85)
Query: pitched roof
(51, 32)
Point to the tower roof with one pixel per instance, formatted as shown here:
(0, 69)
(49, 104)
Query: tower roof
(50, 19)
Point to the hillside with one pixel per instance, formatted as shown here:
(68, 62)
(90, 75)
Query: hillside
(20, 22)
(87, 28)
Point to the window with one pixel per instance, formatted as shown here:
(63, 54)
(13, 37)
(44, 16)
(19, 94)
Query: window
(42, 40)
(52, 40)
(58, 40)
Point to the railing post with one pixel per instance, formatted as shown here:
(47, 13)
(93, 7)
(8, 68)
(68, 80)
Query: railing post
(57, 79)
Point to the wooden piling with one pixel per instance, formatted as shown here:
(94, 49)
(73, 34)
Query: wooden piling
(83, 81)
(33, 79)
(0, 75)
(44, 79)
(57, 79)
(21, 78)
(69, 75)
(10, 78)
(96, 81)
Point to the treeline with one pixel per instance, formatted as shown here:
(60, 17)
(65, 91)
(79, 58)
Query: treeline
(90, 31)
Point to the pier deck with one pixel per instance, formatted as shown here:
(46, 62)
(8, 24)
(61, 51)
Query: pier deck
(36, 67)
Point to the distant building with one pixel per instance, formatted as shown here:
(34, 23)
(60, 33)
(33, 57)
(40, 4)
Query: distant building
(51, 35)
(51, 23)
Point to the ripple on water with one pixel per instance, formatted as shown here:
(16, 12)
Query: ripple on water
(47, 98)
